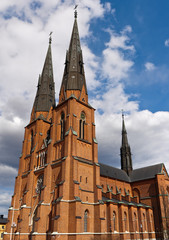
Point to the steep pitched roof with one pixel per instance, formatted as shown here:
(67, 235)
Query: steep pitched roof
(135, 175)
(45, 96)
(74, 76)
(113, 172)
(146, 172)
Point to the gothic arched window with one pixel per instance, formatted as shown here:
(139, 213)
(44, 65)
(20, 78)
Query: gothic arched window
(144, 223)
(82, 125)
(125, 221)
(114, 221)
(62, 122)
(85, 221)
(135, 222)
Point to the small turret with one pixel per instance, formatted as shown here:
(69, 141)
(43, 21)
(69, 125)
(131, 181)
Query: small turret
(126, 159)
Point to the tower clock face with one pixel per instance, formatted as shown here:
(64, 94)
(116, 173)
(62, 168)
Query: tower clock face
(39, 184)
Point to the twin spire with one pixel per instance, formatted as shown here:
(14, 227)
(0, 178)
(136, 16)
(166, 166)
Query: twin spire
(73, 83)
(73, 78)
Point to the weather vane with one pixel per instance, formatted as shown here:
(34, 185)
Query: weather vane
(75, 12)
(50, 37)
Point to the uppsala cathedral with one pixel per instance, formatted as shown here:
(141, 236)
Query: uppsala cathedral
(61, 191)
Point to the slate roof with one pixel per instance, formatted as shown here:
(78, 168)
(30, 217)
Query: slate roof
(135, 175)
(113, 172)
(145, 172)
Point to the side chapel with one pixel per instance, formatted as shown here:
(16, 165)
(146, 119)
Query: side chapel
(61, 191)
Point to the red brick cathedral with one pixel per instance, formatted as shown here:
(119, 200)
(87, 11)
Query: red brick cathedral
(61, 191)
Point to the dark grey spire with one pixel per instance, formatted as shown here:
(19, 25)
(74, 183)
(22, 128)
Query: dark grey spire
(126, 159)
(45, 96)
(74, 76)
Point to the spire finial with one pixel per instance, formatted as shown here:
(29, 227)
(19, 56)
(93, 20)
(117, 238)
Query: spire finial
(50, 37)
(122, 112)
(75, 12)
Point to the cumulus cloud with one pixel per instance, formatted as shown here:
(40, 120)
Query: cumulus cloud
(116, 61)
(148, 135)
(149, 66)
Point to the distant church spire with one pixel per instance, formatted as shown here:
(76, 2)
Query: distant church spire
(126, 159)
(45, 95)
(74, 76)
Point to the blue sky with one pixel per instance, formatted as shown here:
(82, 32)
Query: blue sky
(150, 30)
(125, 46)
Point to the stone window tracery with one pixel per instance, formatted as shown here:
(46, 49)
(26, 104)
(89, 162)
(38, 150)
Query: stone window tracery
(39, 184)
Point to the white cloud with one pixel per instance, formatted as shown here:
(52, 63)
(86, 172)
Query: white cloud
(166, 43)
(120, 41)
(115, 66)
(113, 100)
(117, 56)
(149, 66)
(107, 6)
(148, 135)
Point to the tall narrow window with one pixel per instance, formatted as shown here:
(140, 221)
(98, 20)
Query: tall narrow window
(135, 222)
(114, 221)
(85, 221)
(32, 140)
(144, 223)
(125, 221)
(82, 125)
(62, 122)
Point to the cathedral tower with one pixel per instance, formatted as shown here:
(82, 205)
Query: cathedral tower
(57, 190)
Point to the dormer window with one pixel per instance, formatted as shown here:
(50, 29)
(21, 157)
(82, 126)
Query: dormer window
(82, 125)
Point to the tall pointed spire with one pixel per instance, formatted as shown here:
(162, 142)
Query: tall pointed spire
(74, 76)
(45, 96)
(126, 159)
